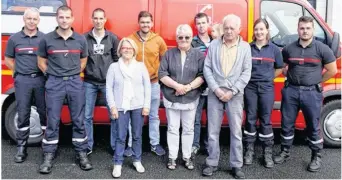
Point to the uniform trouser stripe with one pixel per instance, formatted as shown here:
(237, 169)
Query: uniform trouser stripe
(287, 137)
(249, 133)
(50, 142)
(23, 129)
(316, 142)
(79, 139)
(266, 136)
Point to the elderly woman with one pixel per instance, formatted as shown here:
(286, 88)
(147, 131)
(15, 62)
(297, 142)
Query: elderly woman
(128, 95)
(181, 75)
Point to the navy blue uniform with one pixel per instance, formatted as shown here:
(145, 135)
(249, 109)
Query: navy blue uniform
(259, 93)
(301, 90)
(64, 81)
(29, 81)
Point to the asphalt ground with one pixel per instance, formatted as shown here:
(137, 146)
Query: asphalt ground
(66, 168)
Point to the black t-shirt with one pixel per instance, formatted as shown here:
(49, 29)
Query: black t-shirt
(23, 49)
(63, 56)
(306, 64)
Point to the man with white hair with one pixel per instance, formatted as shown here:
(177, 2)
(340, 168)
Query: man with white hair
(181, 75)
(227, 70)
(29, 81)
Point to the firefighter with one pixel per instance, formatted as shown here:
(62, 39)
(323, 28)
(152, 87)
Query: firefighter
(62, 54)
(305, 59)
(267, 63)
(29, 81)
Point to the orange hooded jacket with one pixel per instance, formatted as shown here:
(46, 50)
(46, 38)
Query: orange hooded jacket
(150, 52)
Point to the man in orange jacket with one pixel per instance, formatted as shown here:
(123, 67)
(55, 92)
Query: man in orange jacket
(151, 47)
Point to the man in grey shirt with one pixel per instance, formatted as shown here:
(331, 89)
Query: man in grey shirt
(227, 70)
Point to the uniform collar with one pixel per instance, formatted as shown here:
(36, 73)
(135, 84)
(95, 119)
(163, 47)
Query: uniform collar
(56, 35)
(253, 44)
(309, 46)
(25, 35)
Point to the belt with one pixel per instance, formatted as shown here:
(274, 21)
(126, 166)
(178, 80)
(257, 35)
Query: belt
(65, 78)
(33, 75)
(307, 88)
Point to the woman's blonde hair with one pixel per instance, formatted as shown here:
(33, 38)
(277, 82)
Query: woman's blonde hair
(131, 42)
(218, 28)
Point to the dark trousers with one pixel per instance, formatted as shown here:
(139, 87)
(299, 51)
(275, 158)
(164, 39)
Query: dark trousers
(27, 88)
(57, 89)
(259, 100)
(137, 122)
(309, 100)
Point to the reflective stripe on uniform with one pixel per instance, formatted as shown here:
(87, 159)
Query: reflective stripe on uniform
(23, 129)
(249, 133)
(265, 136)
(287, 137)
(50, 142)
(316, 142)
(79, 139)
(43, 127)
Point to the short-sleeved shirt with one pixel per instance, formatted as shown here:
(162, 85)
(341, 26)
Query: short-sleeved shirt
(23, 49)
(264, 61)
(63, 56)
(228, 56)
(306, 64)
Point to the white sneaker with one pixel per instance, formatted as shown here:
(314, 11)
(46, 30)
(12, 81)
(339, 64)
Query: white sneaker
(117, 171)
(139, 167)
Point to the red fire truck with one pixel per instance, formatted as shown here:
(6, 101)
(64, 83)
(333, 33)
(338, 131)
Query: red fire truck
(122, 20)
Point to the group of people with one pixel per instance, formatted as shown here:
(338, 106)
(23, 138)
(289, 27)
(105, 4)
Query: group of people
(217, 71)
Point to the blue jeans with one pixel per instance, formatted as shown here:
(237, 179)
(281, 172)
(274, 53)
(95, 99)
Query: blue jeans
(153, 116)
(137, 122)
(91, 91)
(198, 117)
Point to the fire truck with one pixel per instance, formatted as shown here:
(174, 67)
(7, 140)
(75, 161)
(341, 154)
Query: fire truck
(282, 16)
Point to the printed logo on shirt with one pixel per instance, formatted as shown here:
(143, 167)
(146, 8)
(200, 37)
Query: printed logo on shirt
(99, 48)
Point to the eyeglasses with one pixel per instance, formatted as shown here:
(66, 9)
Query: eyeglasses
(126, 48)
(183, 37)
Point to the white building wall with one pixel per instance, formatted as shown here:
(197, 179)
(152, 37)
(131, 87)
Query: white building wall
(336, 14)
(333, 14)
(321, 6)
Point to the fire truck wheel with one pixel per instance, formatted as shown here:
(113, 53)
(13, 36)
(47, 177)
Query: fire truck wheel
(11, 118)
(331, 123)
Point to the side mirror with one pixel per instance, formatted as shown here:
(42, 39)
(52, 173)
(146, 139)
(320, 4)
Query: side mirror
(335, 45)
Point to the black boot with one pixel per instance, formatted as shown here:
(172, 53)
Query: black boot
(45, 167)
(268, 161)
(316, 162)
(284, 154)
(248, 158)
(21, 154)
(83, 161)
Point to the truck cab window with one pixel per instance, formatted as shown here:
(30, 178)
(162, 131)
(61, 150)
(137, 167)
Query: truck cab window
(44, 6)
(283, 18)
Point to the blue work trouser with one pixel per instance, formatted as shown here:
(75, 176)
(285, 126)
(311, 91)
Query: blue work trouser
(258, 101)
(27, 88)
(57, 89)
(309, 100)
